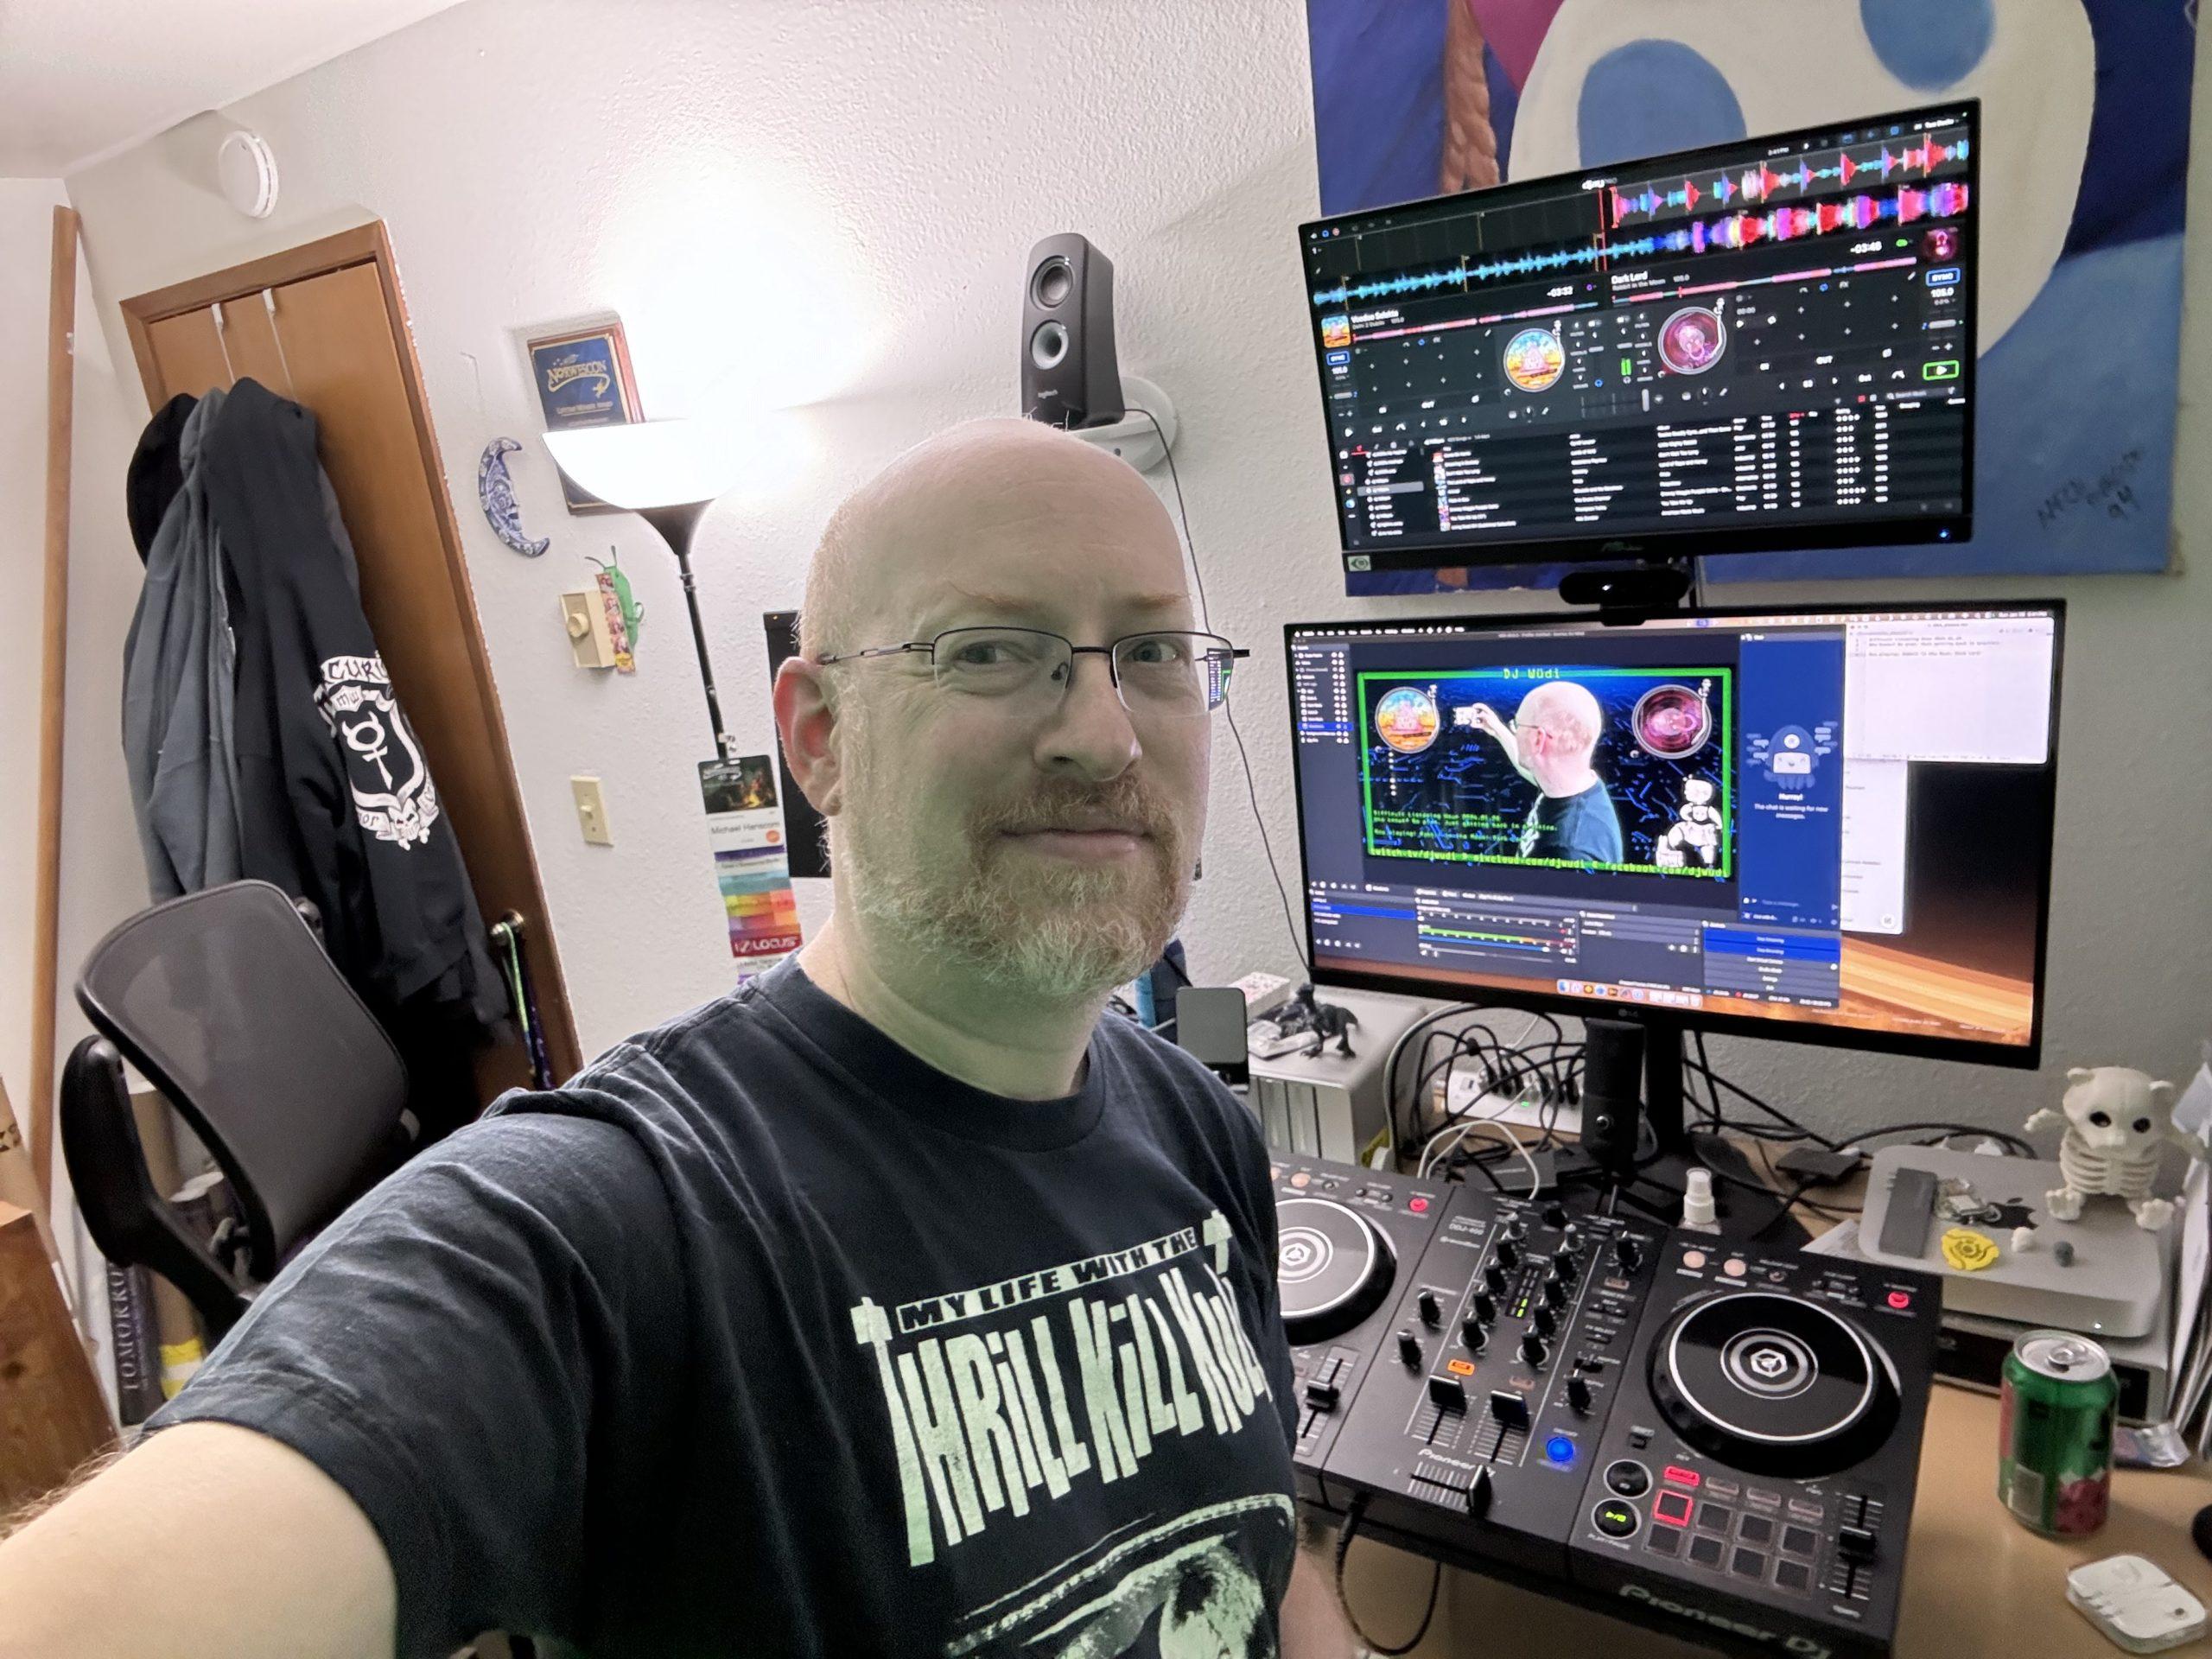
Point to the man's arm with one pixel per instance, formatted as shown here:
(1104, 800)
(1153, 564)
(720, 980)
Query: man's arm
(1312, 1622)
(1486, 721)
(208, 1542)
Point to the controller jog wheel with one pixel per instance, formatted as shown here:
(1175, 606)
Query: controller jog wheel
(1334, 1268)
(1773, 1385)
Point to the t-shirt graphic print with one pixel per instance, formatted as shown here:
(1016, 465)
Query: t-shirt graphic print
(1001, 1398)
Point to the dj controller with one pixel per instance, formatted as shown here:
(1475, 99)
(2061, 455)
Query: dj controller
(1703, 1437)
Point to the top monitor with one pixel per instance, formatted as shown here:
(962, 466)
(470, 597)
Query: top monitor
(1758, 345)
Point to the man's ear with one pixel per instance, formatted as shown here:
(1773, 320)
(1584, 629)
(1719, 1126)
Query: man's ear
(805, 724)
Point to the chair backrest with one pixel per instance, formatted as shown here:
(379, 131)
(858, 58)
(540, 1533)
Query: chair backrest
(224, 1000)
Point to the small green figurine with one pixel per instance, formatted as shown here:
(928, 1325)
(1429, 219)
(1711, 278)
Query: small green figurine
(627, 618)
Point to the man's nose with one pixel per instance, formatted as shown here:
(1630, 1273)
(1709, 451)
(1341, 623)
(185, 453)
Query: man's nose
(1091, 734)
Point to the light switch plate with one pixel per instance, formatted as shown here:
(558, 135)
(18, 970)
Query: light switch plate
(591, 811)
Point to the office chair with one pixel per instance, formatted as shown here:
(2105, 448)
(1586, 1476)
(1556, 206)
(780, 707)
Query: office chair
(226, 1003)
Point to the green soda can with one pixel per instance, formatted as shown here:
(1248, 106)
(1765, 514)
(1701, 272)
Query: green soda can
(2054, 1434)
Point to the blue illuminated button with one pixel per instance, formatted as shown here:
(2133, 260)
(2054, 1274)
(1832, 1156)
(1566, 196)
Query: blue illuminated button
(1560, 1449)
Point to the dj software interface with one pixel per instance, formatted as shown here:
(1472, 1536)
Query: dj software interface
(1766, 788)
(1757, 337)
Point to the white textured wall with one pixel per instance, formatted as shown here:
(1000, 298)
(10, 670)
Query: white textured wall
(828, 205)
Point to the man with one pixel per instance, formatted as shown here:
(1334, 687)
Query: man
(1550, 743)
(895, 1303)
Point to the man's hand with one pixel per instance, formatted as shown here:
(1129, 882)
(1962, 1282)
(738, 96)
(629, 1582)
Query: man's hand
(1486, 721)
(208, 1542)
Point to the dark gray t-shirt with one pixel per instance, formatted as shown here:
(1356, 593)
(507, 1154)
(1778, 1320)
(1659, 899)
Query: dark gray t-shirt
(763, 1337)
(1583, 827)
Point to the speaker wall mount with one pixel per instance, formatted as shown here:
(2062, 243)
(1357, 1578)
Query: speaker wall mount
(1132, 437)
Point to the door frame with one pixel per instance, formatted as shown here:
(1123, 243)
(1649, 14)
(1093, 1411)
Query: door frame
(370, 245)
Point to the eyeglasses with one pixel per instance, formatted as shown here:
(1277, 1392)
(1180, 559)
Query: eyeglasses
(1176, 674)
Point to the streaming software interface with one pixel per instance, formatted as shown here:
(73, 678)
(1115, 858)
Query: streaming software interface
(1836, 817)
(1770, 340)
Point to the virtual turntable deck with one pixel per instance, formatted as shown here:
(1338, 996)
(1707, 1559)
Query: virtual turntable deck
(1676, 1430)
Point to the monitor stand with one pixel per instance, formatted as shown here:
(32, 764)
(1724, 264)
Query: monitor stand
(1653, 1184)
(1628, 593)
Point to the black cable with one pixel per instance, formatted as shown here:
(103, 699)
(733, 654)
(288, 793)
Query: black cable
(2012, 1143)
(1775, 1112)
(1352, 1517)
(1228, 709)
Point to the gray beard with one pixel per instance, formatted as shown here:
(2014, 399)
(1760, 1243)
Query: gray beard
(1054, 936)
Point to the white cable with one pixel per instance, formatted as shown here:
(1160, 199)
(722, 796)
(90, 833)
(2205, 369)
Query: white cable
(1457, 1130)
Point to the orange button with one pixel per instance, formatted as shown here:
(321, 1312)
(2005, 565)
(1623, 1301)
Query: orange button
(1460, 1367)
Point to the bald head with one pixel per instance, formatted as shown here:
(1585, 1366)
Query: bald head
(960, 516)
(1568, 713)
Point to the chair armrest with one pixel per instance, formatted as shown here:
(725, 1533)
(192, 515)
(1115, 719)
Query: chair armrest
(132, 1224)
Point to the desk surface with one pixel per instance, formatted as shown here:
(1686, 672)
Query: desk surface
(1978, 1585)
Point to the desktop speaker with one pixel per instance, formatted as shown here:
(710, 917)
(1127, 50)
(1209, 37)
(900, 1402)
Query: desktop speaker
(1613, 1090)
(1070, 374)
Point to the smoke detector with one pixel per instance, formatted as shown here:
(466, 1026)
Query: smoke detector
(246, 168)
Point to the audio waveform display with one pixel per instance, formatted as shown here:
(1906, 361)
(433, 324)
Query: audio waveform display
(1459, 276)
(1760, 182)
(1906, 205)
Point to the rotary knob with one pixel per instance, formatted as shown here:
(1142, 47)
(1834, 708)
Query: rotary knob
(1494, 1279)
(1543, 1321)
(1509, 1253)
(1533, 1349)
(1432, 1313)
(1485, 1307)
(1626, 1254)
(1578, 1396)
(1554, 1290)
(1554, 1215)
(1473, 1335)
(1409, 1347)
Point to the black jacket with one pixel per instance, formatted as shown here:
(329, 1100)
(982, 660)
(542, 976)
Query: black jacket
(336, 802)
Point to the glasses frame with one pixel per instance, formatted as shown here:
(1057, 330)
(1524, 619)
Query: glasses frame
(928, 648)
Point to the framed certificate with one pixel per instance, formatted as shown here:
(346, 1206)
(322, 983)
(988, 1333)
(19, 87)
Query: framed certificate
(582, 376)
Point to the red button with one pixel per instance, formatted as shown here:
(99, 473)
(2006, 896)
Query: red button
(1900, 1300)
(1419, 1206)
(1675, 1475)
(1673, 1507)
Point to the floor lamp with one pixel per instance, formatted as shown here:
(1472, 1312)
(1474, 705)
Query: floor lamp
(669, 474)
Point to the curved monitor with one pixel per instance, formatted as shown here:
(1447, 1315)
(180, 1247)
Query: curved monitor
(1829, 825)
(1758, 345)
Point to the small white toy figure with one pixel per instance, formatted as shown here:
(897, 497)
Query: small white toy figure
(2118, 1122)
(1698, 831)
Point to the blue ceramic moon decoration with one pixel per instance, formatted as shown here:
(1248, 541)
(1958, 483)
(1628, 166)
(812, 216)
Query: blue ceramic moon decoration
(497, 492)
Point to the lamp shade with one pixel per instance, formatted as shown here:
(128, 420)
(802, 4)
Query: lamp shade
(650, 463)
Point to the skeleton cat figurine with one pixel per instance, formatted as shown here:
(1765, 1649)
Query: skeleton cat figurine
(2118, 1122)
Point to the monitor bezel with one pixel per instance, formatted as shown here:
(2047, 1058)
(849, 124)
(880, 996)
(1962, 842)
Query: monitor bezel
(1769, 537)
(2026, 1057)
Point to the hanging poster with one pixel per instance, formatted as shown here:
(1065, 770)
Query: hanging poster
(582, 377)
(745, 826)
(2083, 164)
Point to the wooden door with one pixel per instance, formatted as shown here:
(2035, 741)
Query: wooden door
(324, 324)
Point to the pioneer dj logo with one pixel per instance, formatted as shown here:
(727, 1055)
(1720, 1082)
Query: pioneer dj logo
(1805, 1645)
